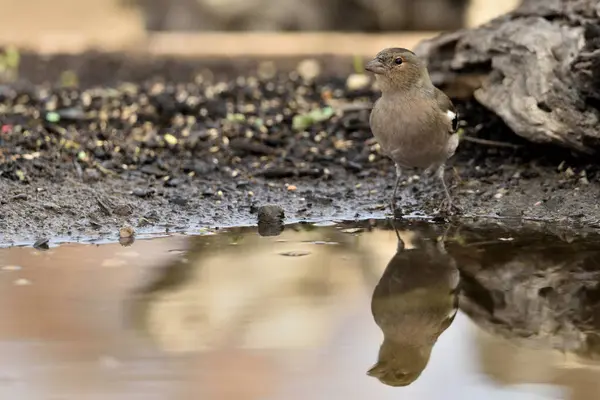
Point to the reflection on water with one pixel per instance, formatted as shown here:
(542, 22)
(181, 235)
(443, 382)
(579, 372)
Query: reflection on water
(415, 300)
(310, 313)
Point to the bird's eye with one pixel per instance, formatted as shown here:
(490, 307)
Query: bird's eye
(398, 61)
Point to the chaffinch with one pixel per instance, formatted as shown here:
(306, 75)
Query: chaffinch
(414, 122)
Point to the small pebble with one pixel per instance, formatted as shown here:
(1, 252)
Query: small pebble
(267, 70)
(22, 282)
(123, 210)
(270, 220)
(91, 175)
(170, 139)
(569, 172)
(126, 232)
(51, 206)
(309, 69)
(178, 200)
(143, 193)
(357, 81)
(292, 188)
(41, 244)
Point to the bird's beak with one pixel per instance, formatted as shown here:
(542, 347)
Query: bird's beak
(375, 66)
(376, 370)
(373, 371)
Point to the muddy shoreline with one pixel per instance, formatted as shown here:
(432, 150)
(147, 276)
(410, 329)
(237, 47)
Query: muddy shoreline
(207, 149)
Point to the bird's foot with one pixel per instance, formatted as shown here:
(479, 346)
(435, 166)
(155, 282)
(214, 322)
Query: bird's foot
(396, 212)
(448, 208)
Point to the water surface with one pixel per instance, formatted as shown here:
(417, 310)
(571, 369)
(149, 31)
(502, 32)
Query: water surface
(304, 315)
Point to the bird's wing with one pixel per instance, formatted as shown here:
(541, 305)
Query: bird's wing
(447, 107)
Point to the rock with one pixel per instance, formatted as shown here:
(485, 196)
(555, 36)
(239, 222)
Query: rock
(173, 182)
(153, 170)
(123, 210)
(126, 231)
(178, 200)
(143, 192)
(41, 244)
(270, 220)
(91, 175)
(536, 68)
(52, 207)
(153, 216)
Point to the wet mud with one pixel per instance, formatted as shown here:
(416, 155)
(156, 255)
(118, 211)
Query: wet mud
(95, 142)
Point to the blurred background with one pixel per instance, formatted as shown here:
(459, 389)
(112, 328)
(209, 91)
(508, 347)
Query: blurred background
(43, 23)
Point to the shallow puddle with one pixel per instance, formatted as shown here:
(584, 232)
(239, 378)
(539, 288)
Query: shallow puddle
(317, 312)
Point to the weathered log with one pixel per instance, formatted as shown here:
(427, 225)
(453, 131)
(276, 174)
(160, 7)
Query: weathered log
(537, 68)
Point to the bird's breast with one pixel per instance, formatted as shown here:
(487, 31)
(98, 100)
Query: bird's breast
(412, 136)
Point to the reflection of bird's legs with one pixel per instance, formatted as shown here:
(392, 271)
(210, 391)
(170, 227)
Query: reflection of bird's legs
(400, 242)
(442, 239)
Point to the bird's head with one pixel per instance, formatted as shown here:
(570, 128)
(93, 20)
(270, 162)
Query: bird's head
(400, 364)
(397, 68)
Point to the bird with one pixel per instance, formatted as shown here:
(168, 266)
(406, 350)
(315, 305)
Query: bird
(414, 122)
(414, 302)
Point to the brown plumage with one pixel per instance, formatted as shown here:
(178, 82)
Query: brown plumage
(415, 300)
(414, 122)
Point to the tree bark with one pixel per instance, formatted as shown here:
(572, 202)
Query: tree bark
(537, 68)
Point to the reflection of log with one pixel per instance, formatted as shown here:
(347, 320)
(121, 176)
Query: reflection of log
(538, 68)
(534, 289)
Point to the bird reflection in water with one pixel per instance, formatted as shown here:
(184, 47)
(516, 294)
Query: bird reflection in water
(415, 300)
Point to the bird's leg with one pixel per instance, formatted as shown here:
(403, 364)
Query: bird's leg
(447, 204)
(457, 177)
(398, 176)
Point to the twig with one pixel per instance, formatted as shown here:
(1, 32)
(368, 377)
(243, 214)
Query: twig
(490, 142)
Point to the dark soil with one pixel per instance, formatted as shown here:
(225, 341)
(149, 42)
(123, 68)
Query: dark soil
(164, 144)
